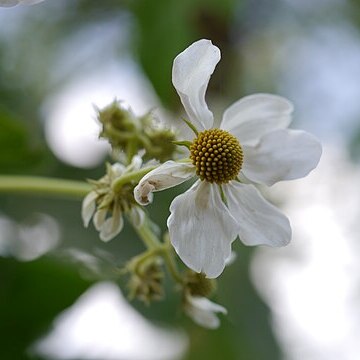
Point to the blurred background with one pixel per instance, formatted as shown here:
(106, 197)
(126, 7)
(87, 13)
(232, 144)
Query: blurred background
(60, 297)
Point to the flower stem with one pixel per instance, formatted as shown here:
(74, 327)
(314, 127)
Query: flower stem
(171, 265)
(156, 246)
(44, 186)
(131, 176)
(147, 236)
(139, 260)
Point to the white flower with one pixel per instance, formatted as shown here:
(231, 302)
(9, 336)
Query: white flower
(107, 208)
(203, 311)
(10, 3)
(253, 145)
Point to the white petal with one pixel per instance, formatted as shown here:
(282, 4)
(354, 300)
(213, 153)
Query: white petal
(117, 170)
(99, 218)
(203, 311)
(88, 207)
(111, 227)
(231, 259)
(135, 164)
(163, 177)
(253, 116)
(261, 223)
(137, 216)
(190, 76)
(281, 155)
(202, 229)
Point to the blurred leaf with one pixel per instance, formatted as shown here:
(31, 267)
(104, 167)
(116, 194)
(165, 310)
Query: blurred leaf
(32, 294)
(16, 152)
(164, 30)
(166, 27)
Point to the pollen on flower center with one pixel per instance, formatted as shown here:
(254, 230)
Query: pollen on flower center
(217, 155)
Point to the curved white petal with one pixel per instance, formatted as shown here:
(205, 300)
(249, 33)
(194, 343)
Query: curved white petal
(281, 155)
(253, 116)
(191, 72)
(135, 164)
(261, 223)
(137, 216)
(203, 311)
(88, 207)
(163, 177)
(202, 229)
(111, 227)
(99, 218)
(117, 170)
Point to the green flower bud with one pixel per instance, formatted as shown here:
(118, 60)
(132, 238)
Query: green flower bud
(130, 134)
(198, 285)
(146, 283)
(119, 125)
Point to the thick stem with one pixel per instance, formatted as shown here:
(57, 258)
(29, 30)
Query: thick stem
(44, 186)
(131, 176)
(154, 244)
(171, 265)
(147, 236)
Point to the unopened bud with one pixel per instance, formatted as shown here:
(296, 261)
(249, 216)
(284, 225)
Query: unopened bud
(146, 284)
(198, 285)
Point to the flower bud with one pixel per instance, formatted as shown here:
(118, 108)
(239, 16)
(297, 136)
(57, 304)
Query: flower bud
(198, 285)
(119, 124)
(146, 283)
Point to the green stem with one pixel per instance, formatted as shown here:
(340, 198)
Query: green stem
(44, 186)
(131, 176)
(171, 264)
(153, 244)
(148, 237)
(139, 260)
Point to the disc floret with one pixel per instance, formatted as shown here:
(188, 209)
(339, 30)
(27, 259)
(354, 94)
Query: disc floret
(217, 155)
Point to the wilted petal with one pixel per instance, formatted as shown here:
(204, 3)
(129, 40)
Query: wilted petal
(254, 116)
(135, 164)
(190, 76)
(117, 170)
(261, 223)
(111, 227)
(163, 177)
(88, 207)
(281, 155)
(202, 229)
(137, 216)
(99, 218)
(203, 311)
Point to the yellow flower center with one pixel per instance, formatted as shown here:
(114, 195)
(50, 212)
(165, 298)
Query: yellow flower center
(217, 155)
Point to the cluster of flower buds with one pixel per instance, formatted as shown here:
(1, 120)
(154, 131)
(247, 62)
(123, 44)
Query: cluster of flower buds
(146, 281)
(132, 134)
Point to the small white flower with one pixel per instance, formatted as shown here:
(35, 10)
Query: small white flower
(107, 208)
(252, 144)
(10, 3)
(203, 311)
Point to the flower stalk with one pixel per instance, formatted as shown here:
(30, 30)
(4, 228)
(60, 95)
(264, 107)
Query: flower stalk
(44, 186)
(133, 176)
(156, 247)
